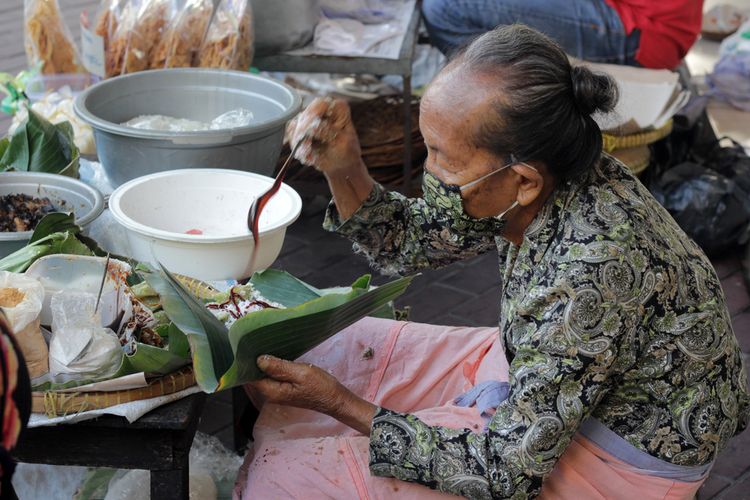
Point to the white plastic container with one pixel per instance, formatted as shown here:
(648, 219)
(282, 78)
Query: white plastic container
(158, 210)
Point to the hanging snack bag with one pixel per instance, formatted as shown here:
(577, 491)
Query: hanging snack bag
(229, 41)
(145, 34)
(116, 19)
(182, 40)
(47, 39)
(106, 24)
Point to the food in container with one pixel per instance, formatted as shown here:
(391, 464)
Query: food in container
(22, 212)
(115, 25)
(145, 34)
(198, 94)
(229, 41)
(107, 24)
(240, 117)
(65, 193)
(47, 39)
(21, 300)
(178, 47)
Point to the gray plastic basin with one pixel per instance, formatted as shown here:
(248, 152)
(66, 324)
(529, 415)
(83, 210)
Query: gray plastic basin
(192, 93)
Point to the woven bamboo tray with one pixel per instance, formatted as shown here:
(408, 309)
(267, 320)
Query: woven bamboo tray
(55, 404)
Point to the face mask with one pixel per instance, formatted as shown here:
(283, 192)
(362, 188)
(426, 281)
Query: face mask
(447, 204)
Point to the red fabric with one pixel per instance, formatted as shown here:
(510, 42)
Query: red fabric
(668, 28)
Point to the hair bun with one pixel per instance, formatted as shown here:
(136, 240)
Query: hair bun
(593, 91)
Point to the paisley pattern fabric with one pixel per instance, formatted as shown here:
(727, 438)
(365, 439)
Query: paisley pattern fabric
(607, 309)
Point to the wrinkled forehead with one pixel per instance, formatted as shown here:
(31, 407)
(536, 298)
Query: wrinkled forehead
(458, 98)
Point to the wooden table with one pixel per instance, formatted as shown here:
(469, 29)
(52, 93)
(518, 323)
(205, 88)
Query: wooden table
(159, 441)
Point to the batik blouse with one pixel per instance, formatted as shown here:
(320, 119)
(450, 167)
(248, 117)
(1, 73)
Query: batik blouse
(607, 309)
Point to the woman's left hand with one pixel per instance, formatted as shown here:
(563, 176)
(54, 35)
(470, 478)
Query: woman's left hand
(307, 386)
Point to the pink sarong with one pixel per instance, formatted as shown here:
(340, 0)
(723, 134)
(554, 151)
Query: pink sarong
(419, 369)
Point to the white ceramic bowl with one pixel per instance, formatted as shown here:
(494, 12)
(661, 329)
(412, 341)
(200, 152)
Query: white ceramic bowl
(157, 210)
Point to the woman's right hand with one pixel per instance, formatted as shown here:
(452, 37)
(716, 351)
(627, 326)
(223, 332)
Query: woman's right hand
(328, 140)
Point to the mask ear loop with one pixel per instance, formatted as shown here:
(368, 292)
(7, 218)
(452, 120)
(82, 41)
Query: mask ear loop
(515, 203)
(466, 186)
(502, 214)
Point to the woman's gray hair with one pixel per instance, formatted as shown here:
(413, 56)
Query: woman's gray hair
(544, 112)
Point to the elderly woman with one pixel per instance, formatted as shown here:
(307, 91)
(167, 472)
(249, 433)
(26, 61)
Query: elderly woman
(615, 371)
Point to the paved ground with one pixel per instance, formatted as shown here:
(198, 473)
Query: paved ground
(462, 294)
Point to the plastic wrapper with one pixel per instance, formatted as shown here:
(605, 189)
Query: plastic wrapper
(116, 19)
(179, 46)
(229, 41)
(710, 200)
(80, 345)
(239, 117)
(48, 41)
(21, 299)
(213, 469)
(730, 79)
(144, 36)
(131, 30)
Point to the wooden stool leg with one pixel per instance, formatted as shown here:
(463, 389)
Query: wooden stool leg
(171, 484)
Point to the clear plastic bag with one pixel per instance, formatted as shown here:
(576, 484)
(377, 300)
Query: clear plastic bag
(48, 41)
(144, 36)
(229, 41)
(182, 40)
(79, 344)
(213, 470)
(131, 30)
(21, 299)
(158, 55)
(115, 20)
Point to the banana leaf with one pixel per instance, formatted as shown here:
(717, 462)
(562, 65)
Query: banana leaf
(39, 146)
(225, 358)
(63, 242)
(283, 288)
(56, 233)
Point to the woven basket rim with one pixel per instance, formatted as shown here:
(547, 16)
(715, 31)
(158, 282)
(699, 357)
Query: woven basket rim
(55, 403)
(611, 142)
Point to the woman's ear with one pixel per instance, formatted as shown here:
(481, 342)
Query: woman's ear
(531, 183)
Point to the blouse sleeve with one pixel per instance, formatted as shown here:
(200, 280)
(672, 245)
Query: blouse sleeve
(400, 235)
(565, 356)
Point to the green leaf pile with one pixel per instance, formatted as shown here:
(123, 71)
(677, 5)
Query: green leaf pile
(39, 146)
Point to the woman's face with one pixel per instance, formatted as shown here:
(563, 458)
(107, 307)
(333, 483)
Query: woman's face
(451, 113)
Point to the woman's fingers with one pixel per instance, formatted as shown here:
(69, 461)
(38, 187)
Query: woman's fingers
(283, 370)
